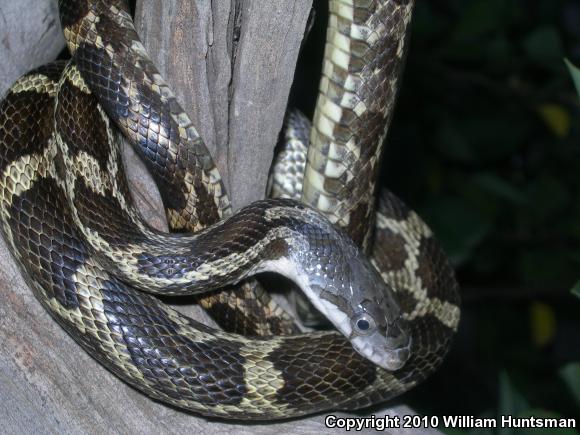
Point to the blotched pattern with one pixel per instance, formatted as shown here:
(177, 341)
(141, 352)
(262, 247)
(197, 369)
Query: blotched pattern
(365, 48)
(49, 181)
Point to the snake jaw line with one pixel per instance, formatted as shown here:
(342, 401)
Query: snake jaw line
(391, 359)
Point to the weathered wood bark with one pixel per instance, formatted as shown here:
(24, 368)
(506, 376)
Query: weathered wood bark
(231, 63)
(30, 36)
(236, 94)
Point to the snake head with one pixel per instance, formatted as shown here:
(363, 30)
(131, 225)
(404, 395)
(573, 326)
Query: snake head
(380, 335)
(377, 330)
(354, 297)
(343, 285)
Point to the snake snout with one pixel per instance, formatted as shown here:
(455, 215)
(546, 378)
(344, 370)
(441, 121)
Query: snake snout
(390, 351)
(396, 359)
(397, 337)
(397, 347)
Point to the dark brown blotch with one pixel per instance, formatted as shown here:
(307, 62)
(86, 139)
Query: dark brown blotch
(81, 124)
(436, 272)
(112, 34)
(26, 125)
(320, 370)
(105, 215)
(360, 223)
(72, 12)
(392, 207)
(177, 366)
(389, 250)
(50, 249)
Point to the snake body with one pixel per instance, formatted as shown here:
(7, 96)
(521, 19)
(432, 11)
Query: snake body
(60, 173)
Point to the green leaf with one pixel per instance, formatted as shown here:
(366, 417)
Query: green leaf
(575, 72)
(571, 376)
(452, 143)
(458, 225)
(495, 134)
(497, 186)
(549, 191)
(556, 118)
(576, 290)
(511, 402)
(539, 266)
(498, 51)
(543, 323)
(479, 18)
(544, 45)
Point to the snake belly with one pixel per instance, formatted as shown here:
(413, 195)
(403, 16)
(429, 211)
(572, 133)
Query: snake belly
(147, 344)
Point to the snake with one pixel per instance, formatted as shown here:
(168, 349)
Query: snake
(95, 265)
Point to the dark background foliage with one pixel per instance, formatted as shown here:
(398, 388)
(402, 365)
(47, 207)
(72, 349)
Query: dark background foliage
(485, 144)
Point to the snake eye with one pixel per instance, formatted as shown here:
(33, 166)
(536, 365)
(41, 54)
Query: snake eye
(364, 323)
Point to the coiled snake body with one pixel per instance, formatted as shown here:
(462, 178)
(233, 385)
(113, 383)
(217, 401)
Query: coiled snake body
(67, 216)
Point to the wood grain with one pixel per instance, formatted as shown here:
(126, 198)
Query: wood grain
(231, 63)
(30, 36)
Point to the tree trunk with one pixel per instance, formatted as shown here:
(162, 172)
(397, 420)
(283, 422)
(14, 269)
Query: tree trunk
(30, 36)
(231, 64)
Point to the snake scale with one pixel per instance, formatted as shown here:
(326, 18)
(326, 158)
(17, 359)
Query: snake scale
(68, 219)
